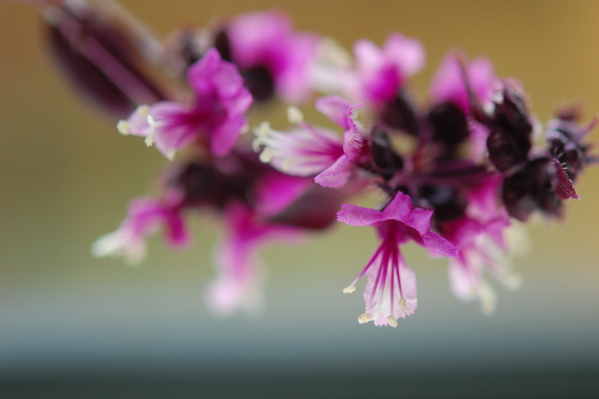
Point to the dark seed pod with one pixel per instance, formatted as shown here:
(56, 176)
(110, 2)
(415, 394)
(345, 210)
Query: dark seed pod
(385, 160)
(448, 202)
(533, 187)
(260, 83)
(450, 127)
(100, 59)
(206, 185)
(400, 114)
(510, 139)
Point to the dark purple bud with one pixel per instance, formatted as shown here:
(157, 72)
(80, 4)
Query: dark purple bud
(100, 58)
(214, 184)
(507, 151)
(534, 187)
(448, 202)
(258, 79)
(400, 114)
(223, 45)
(316, 209)
(385, 160)
(565, 142)
(260, 83)
(510, 139)
(450, 127)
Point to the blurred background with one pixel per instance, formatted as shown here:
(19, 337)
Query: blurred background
(74, 325)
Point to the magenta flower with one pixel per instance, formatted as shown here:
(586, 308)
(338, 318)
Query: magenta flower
(453, 81)
(479, 236)
(145, 217)
(238, 285)
(309, 150)
(215, 116)
(381, 72)
(268, 50)
(391, 285)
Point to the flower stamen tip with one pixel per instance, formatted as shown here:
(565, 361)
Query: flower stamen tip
(402, 305)
(392, 322)
(364, 318)
(294, 115)
(349, 289)
(143, 110)
(266, 155)
(123, 127)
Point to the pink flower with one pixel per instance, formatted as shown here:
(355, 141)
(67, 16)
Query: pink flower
(216, 115)
(381, 72)
(391, 285)
(450, 85)
(479, 237)
(267, 40)
(145, 217)
(309, 150)
(238, 285)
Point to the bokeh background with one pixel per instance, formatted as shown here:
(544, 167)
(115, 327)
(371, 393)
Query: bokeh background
(74, 325)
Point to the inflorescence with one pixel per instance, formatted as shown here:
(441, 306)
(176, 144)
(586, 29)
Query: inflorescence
(453, 174)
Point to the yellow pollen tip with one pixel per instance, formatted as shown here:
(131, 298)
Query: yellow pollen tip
(262, 130)
(349, 289)
(402, 305)
(143, 110)
(149, 140)
(294, 115)
(123, 127)
(392, 322)
(364, 318)
(266, 155)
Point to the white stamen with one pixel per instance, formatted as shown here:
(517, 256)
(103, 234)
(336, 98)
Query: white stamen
(149, 139)
(262, 130)
(294, 115)
(123, 127)
(392, 322)
(143, 110)
(152, 131)
(266, 155)
(364, 318)
(171, 155)
(349, 289)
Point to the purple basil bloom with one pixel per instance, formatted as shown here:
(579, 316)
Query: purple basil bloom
(480, 238)
(216, 115)
(381, 72)
(145, 217)
(309, 150)
(454, 82)
(268, 50)
(391, 287)
(238, 285)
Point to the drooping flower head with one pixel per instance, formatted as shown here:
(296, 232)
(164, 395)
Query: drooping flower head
(216, 115)
(391, 287)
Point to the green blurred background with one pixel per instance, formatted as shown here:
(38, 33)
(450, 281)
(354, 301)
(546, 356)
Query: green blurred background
(66, 176)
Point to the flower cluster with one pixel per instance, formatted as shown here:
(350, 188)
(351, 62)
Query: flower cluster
(454, 174)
